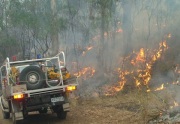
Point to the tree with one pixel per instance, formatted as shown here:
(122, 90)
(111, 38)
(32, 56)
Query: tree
(127, 25)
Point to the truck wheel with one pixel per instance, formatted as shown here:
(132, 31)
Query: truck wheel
(33, 77)
(6, 115)
(61, 114)
(25, 114)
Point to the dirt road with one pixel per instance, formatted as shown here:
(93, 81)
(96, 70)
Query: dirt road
(35, 118)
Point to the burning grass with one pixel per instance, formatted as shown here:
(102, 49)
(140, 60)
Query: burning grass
(136, 70)
(138, 89)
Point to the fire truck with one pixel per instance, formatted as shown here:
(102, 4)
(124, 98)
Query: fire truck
(36, 85)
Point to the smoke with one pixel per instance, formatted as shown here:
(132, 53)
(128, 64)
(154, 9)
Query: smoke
(145, 25)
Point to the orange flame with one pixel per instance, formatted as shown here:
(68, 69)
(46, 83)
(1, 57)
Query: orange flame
(141, 69)
(160, 88)
(141, 55)
(87, 49)
(86, 72)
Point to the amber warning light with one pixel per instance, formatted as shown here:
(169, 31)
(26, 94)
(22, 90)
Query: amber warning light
(71, 88)
(18, 96)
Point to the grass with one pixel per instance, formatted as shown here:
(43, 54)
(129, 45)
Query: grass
(136, 107)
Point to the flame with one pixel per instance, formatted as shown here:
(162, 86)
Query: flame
(89, 48)
(141, 55)
(175, 103)
(148, 90)
(141, 65)
(162, 45)
(160, 88)
(111, 90)
(86, 72)
(121, 82)
(169, 35)
(120, 87)
(119, 30)
(86, 49)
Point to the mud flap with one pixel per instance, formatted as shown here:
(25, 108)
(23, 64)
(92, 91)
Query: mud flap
(2, 106)
(66, 107)
(17, 110)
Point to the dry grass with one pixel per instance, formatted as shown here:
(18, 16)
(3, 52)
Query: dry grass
(136, 107)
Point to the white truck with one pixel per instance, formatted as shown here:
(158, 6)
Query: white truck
(35, 85)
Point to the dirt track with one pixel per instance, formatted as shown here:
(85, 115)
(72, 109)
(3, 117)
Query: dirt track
(122, 109)
(35, 118)
(116, 110)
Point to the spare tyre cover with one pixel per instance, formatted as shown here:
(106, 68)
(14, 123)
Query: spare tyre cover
(33, 77)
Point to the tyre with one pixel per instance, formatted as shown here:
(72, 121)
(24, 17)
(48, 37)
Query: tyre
(6, 115)
(25, 114)
(61, 114)
(33, 77)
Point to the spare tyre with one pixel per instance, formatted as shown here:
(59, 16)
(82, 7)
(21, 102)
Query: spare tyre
(33, 77)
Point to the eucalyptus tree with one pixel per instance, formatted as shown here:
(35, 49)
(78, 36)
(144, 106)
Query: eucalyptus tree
(8, 45)
(35, 26)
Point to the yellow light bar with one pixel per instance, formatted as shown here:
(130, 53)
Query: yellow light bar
(18, 96)
(70, 88)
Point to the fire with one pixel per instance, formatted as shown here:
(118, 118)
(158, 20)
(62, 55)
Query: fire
(142, 62)
(111, 90)
(175, 103)
(148, 90)
(160, 88)
(120, 87)
(86, 49)
(162, 47)
(121, 82)
(163, 44)
(169, 35)
(119, 30)
(141, 55)
(86, 72)
(89, 48)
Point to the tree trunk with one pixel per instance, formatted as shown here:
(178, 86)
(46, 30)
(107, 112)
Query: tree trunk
(101, 44)
(54, 35)
(127, 26)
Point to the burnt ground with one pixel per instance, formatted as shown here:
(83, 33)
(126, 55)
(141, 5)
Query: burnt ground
(131, 108)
